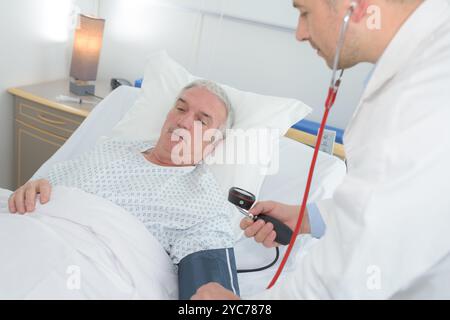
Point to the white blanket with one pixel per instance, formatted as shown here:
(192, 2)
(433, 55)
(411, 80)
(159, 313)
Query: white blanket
(79, 246)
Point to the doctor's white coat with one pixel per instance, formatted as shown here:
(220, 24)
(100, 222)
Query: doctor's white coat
(388, 224)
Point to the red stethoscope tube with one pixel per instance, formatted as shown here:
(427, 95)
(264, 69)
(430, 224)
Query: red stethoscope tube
(331, 98)
(332, 93)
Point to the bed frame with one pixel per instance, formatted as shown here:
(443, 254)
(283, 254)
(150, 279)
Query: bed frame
(310, 140)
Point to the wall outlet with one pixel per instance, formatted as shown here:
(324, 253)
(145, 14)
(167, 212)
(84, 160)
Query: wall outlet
(328, 140)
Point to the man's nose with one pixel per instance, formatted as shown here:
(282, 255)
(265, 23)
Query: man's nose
(186, 121)
(302, 33)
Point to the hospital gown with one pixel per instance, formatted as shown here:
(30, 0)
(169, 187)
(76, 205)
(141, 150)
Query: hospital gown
(183, 207)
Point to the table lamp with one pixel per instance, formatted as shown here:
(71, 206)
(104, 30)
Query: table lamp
(86, 55)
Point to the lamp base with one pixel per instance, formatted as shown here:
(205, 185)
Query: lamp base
(82, 88)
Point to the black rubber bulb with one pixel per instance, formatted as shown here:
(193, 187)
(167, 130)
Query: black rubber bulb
(245, 200)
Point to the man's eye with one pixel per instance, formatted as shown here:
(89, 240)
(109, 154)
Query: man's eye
(180, 109)
(304, 14)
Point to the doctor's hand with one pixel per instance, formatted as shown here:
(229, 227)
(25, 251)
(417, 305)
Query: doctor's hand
(24, 199)
(264, 232)
(213, 291)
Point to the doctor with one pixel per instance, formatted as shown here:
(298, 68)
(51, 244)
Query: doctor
(388, 225)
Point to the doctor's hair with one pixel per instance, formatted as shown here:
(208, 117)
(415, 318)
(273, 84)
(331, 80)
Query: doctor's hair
(220, 93)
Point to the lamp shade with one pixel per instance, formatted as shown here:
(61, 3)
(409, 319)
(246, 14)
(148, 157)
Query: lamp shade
(86, 48)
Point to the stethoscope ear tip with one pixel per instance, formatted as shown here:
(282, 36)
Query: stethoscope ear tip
(353, 5)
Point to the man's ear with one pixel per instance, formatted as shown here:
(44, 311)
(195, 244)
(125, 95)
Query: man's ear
(360, 11)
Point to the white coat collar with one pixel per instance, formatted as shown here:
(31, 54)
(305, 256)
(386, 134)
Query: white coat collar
(419, 27)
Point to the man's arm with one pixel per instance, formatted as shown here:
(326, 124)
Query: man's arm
(207, 266)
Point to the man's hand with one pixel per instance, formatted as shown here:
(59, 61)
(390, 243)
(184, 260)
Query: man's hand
(24, 199)
(213, 291)
(263, 232)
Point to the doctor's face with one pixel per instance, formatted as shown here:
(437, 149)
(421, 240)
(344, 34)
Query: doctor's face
(319, 23)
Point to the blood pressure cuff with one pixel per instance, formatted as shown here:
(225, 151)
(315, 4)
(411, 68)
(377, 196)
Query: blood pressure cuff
(199, 268)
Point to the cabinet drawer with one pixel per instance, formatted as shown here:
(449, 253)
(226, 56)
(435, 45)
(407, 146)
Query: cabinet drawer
(59, 123)
(33, 148)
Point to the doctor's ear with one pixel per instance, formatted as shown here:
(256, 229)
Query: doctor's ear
(360, 10)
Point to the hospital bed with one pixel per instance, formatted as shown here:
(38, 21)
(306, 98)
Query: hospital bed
(286, 186)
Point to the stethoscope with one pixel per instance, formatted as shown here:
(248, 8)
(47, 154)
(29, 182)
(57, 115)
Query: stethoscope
(244, 199)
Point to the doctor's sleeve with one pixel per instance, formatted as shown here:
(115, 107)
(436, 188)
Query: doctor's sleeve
(316, 223)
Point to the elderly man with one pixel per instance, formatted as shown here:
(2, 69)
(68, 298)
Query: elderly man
(179, 202)
(387, 226)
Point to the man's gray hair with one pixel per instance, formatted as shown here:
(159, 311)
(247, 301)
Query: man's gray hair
(220, 93)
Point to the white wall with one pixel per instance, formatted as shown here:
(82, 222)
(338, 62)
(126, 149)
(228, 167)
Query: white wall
(253, 48)
(36, 41)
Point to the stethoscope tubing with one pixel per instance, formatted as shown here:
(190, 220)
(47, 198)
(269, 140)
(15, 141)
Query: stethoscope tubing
(332, 93)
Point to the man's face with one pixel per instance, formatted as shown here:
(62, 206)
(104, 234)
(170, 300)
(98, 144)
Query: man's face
(195, 112)
(320, 23)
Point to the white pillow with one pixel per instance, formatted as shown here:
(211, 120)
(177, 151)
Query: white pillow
(163, 80)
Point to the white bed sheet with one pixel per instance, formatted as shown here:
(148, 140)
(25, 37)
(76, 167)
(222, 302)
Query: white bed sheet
(80, 246)
(286, 186)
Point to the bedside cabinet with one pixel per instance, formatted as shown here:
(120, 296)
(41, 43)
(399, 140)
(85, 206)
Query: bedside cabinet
(43, 124)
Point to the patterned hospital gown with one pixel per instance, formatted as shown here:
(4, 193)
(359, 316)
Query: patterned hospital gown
(183, 207)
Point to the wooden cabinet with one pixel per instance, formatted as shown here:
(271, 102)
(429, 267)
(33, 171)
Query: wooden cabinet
(33, 148)
(43, 125)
